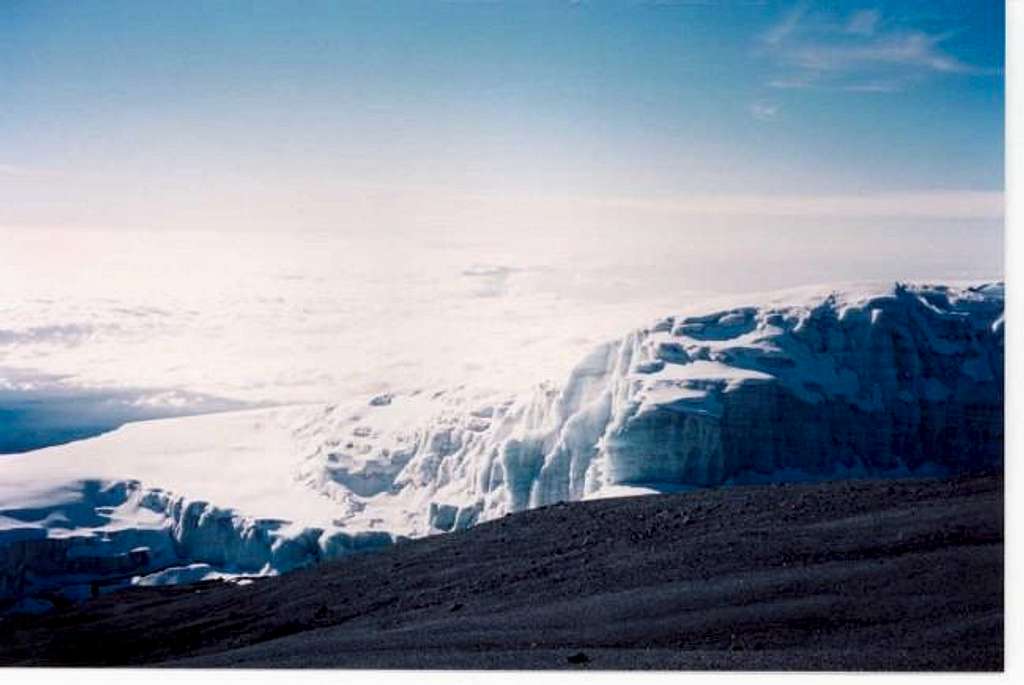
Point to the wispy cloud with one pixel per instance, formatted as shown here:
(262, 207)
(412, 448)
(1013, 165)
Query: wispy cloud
(858, 52)
(909, 50)
(783, 29)
(792, 82)
(763, 110)
(863, 23)
(873, 87)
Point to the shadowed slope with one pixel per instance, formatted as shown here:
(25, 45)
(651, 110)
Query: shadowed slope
(850, 575)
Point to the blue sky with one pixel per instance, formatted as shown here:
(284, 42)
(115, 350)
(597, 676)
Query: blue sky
(234, 113)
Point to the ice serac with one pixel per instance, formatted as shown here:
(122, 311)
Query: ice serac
(903, 381)
(872, 381)
(799, 385)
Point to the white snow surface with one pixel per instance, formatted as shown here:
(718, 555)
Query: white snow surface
(876, 379)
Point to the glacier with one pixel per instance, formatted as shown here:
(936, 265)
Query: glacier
(871, 380)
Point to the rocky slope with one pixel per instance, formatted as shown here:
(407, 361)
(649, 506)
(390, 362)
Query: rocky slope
(881, 575)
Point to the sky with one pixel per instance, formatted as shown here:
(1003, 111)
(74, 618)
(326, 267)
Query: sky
(367, 116)
(204, 203)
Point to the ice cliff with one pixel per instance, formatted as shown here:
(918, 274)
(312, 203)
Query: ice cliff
(856, 381)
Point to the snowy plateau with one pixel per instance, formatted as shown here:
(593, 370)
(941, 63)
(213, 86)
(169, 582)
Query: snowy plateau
(855, 381)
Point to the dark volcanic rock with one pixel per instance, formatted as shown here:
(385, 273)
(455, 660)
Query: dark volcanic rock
(879, 575)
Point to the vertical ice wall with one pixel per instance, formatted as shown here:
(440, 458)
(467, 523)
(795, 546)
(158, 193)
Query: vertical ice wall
(900, 380)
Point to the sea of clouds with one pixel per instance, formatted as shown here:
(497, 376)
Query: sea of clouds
(102, 326)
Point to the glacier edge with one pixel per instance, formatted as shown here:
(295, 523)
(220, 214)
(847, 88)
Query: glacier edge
(872, 381)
